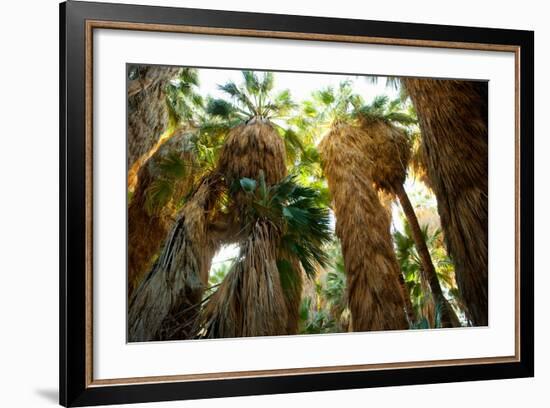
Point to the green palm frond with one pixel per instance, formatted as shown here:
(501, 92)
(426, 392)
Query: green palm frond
(239, 96)
(267, 83)
(294, 145)
(182, 96)
(252, 82)
(231, 89)
(379, 103)
(392, 82)
(402, 118)
(158, 194)
(282, 104)
(221, 108)
(328, 105)
(325, 97)
(190, 76)
(304, 226)
(252, 99)
(382, 108)
(173, 166)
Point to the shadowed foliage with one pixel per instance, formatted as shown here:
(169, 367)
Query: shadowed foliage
(163, 182)
(324, 307)
(453, 121)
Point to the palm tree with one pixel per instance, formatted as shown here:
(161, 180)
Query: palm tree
(254, 143)
(375, 294)
(282, 224)
(387, 148)
(453, 120)
(148, 116)
(257, 144)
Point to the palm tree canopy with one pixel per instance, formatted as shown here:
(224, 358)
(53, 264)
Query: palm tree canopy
(251, 99)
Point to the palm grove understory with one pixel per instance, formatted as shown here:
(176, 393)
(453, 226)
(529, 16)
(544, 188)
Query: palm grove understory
(257, 170)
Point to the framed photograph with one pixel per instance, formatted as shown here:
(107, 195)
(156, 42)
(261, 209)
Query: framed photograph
(257, 204)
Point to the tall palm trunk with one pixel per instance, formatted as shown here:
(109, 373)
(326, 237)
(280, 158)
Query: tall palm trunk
(388, 150)
(448, 316)
(148, 116)
(250, 300)
(148, 227)
(163, 307)
(375, 296)
(453, 121)
(387, 199)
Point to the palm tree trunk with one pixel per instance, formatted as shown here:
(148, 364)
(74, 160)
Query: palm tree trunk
(406, 296)
(375, 296)
(448, 316)
(387, 199)
(250, 300)
(148, 116)
(453, 120)
(163, 306)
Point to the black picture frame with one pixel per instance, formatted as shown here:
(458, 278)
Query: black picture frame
(75, 390)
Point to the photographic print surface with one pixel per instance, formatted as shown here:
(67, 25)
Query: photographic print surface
(283, 203)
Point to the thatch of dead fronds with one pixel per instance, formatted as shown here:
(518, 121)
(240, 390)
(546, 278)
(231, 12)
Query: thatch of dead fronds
(162, 306)
(387, 149)
(148, 116)
(453, 121)
(375, 296)
(250, 148)
(250, 300)
(417, 163)
(164, 181)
